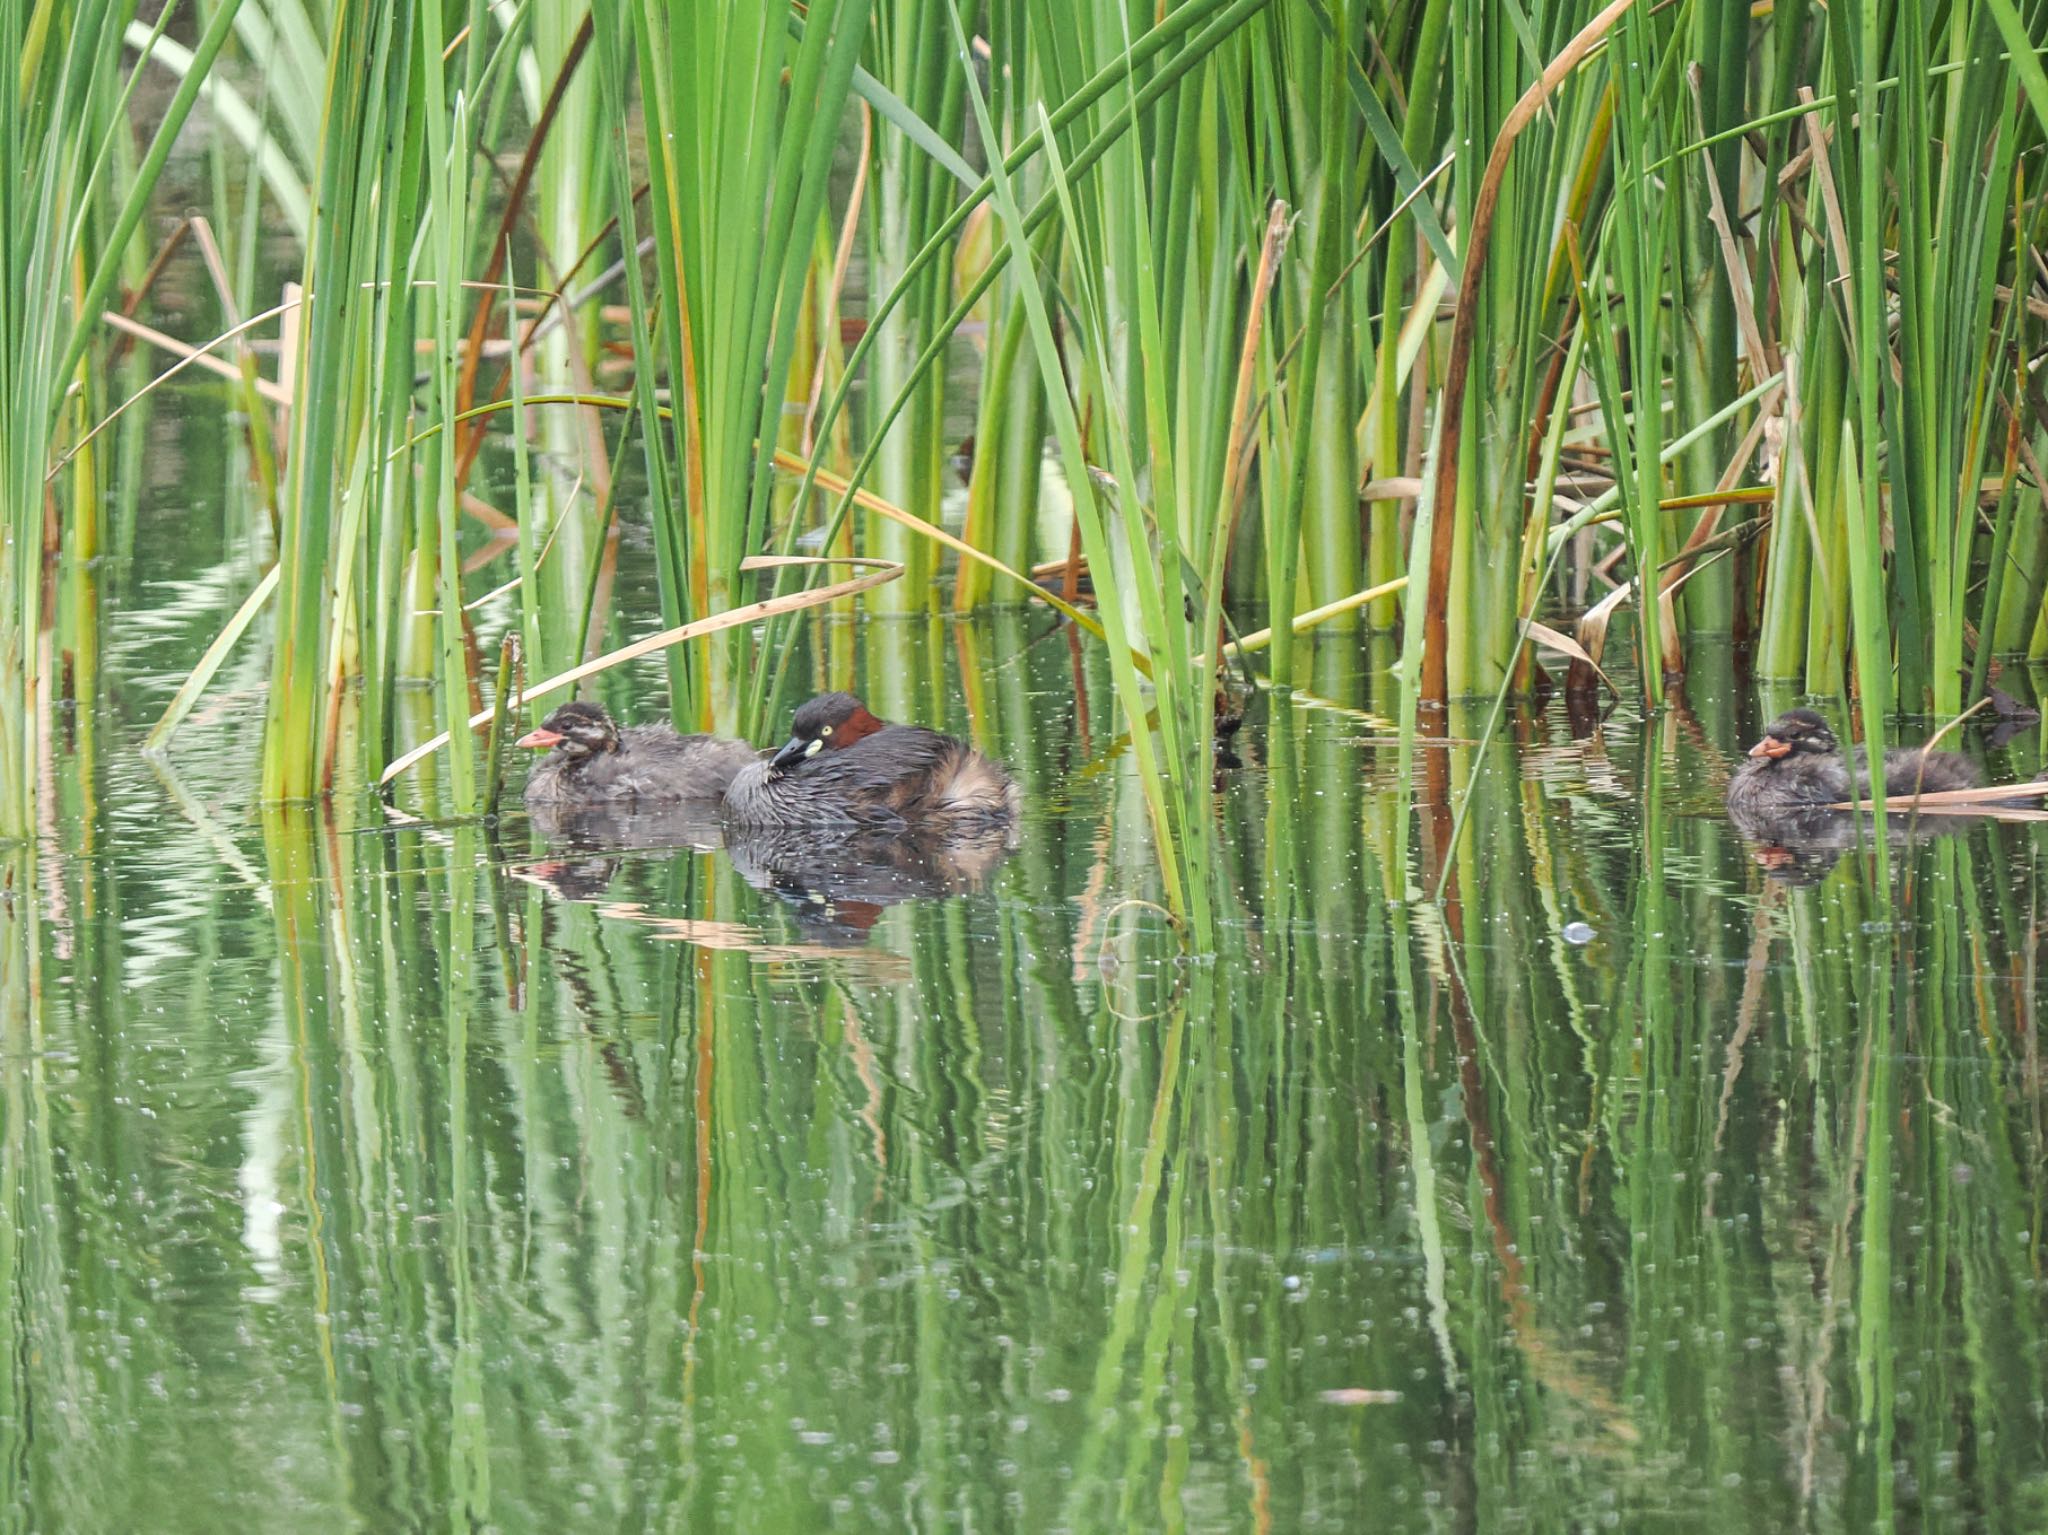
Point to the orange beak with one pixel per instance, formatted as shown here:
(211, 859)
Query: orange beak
(539, 740)
(1769, 746)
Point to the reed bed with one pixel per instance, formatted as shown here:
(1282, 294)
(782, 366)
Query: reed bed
(1440, 315)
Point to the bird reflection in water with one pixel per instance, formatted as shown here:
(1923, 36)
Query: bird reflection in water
(835, 883)
(1799, 846)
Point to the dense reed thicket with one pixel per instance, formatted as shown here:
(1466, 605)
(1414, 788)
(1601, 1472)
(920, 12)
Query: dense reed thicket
(1445, 313)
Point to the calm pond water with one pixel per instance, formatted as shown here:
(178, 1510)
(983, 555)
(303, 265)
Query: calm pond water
(362, 1174)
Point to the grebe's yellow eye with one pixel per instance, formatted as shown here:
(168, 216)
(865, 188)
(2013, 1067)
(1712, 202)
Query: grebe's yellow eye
(826, 731)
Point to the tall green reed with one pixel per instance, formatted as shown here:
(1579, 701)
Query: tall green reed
(71, 198)
(911, 195)
(1654, 214)
(356, 286)
(743, 117)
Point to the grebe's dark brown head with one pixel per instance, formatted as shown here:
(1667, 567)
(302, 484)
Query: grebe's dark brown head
(579, 729)
(829, 722)
(1795, 733)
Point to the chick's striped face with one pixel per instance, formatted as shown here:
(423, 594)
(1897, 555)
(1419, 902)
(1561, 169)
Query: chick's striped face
(579, 729)
(1795, 733)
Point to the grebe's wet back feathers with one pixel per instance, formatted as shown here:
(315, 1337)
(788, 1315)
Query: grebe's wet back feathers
(844, 766)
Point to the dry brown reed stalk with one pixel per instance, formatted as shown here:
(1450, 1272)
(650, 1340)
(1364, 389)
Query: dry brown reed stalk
(501, 241)
(1464, 329)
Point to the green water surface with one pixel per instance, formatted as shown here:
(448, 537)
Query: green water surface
(368, 1174)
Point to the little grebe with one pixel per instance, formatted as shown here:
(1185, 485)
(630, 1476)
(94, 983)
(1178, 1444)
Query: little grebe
(595, 763)
(1911, 770)
(842, 766)
(1798, 764)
